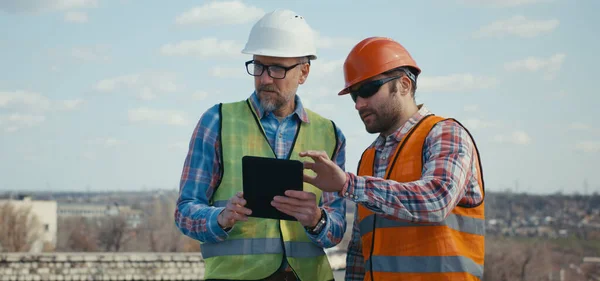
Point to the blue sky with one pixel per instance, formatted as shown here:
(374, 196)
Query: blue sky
(105, 94)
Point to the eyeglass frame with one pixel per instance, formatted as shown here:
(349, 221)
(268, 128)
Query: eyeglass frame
(268, 68)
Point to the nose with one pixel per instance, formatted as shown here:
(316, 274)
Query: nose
(265, 79)
(360, 103)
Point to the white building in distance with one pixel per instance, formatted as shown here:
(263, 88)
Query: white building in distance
(46, 214)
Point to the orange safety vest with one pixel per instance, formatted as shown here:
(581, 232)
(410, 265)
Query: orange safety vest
(395, 249)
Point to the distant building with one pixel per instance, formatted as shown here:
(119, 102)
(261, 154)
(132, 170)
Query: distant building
(132, 216)
(46, 213)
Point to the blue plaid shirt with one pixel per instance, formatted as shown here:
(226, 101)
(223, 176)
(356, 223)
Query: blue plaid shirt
(201, 174)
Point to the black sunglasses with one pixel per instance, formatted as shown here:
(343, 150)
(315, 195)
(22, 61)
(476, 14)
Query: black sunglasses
(368, 89)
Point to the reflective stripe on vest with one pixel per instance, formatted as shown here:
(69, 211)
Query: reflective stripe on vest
(457, 222)
(443, 264)
(261, 246)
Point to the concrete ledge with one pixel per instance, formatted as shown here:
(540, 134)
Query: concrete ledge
(101, 266)
(112, 266)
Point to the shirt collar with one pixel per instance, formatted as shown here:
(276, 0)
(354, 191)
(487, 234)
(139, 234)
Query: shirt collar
(299, 111)
(401, 132)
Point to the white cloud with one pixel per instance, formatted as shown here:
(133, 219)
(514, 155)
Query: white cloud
(111, 84)
(89, 155)
(24, 100)
(228, 72)
(580, 126)
(325, 68)
(72, 104)
(108, 142)
(327, 42)
(200, 95)
(471, 108)
(476, 124)
(35, 6)
(203, 48)
(583, 127)
(16, 121)
(27, 109)
(517, 137)
(97, 53)
(550, 66)
(158, 116)
(519, 26)
(503, 3)
(179, 146)
(220, 13)
(76, 17)
(146, 86)
(557, 96)
(588, 146)
(326, 79)
(462, 82)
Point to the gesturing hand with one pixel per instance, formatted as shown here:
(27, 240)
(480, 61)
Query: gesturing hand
(301, 205)
(329, 176)
(234, 211)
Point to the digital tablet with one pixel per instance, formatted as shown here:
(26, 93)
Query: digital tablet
(265, 178)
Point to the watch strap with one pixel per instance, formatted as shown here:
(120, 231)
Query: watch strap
(320, 224)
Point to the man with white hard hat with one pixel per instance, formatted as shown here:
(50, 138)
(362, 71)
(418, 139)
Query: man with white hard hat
(273, 123)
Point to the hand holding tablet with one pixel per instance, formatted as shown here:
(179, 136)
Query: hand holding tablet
(264, 178)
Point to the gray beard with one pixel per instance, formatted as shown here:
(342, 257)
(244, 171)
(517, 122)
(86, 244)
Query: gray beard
(268, 106)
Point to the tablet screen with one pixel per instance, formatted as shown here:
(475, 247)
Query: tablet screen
(264, 178)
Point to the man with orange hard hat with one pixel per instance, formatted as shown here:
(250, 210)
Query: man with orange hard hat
(419, 187)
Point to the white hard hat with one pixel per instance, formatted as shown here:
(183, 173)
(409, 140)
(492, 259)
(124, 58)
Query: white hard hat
(281, 33)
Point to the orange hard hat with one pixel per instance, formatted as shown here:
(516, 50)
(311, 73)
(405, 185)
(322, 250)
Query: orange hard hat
(373, 56)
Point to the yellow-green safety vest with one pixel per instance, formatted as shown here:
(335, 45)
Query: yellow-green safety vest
(255, 249)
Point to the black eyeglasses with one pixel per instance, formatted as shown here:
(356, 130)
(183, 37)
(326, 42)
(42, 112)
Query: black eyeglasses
(368, 89)
(275, 71)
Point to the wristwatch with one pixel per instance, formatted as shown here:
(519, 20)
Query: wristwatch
(317, 229)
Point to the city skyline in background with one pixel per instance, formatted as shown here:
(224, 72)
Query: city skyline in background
(104, 95)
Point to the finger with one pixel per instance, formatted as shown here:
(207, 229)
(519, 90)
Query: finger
(238, 200)
(309, 179)
(238, 209)
(287, 212)
(315, 155)
(287, 209)
(240, 194)
(289, 201)
(240, 217)
(228, 216)
(302, 195)
(309, 165)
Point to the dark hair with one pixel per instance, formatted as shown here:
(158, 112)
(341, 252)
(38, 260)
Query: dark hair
(403, 71)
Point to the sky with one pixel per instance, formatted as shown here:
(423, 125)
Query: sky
(104, 95)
